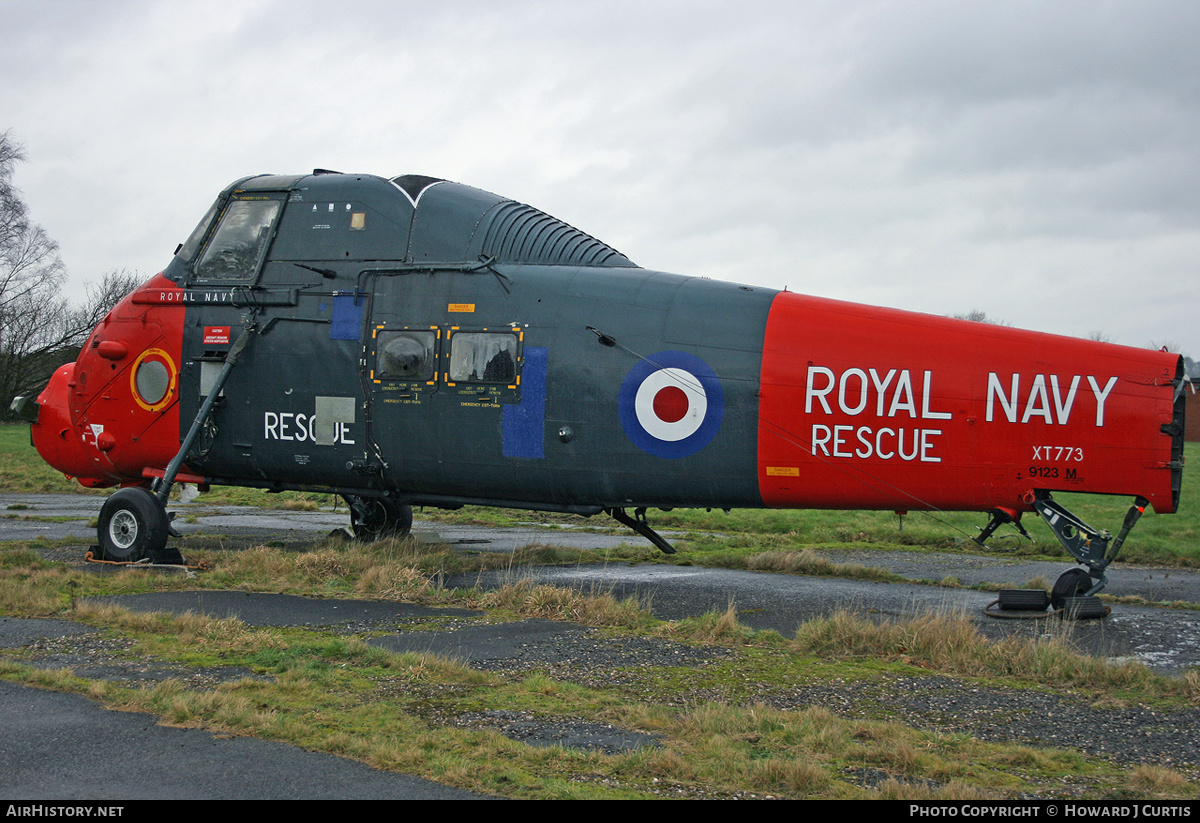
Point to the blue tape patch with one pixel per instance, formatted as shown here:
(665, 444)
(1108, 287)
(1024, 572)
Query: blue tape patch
(523, 424)
(671, 404)
(347, 318)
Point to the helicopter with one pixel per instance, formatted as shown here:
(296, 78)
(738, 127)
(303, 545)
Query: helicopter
(412, 341)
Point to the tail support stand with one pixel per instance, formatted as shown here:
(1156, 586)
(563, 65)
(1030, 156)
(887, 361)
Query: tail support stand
(1091, 547)
(638, 524)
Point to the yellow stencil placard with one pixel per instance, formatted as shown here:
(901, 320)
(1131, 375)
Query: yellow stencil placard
(461, 307)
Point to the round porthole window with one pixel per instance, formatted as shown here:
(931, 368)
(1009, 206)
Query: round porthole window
(153, 380)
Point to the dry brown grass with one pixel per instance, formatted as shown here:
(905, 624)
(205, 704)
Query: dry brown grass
(807, 561)
(195, 631)
(949, 642)
(299, 505)
(892, 789)
(795, 777)
(1159, 780)
(393, 580)
(386, 569)
(35, 592)
(221, 708)
(538, 600)
(326, 563)
(712, 627)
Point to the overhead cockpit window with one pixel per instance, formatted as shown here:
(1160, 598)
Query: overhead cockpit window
(406, 355)
(237, 248)
(483, 357)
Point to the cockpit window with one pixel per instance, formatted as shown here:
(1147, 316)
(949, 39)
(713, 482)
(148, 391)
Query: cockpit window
(237, 248)
(192, 245)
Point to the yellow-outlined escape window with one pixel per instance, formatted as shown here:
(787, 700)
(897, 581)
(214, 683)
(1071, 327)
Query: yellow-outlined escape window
(483, 357)
(404, 361)
(484, 363)
(405, 354)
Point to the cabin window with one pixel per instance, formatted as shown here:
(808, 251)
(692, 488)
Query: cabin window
(406, 355)
(483, 357)
(240, 242)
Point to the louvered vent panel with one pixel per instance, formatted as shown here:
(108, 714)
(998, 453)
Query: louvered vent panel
(522, 234)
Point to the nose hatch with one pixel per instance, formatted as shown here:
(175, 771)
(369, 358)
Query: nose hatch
(53, 435)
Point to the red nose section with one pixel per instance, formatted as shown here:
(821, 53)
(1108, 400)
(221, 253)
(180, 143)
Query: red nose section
(112, 417)
(57, 441)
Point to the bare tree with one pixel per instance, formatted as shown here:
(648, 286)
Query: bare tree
(101, 297)
(12, 209)
(40, 334)
(29, 261)
(39, 328)
(1165, 345)
(978, 316)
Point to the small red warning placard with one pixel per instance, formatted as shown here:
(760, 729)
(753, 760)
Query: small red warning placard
(216, 335)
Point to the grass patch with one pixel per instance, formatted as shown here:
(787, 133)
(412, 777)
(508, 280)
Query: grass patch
(952, 644)
(807, 561)
(327, 691)
(530, 599)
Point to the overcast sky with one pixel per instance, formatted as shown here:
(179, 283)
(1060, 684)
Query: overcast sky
(1037, 161)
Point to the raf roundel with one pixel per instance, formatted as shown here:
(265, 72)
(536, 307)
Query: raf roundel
(671, 404)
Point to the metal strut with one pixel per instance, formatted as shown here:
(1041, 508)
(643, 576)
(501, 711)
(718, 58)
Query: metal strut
(162, 485)
(638, 524)
(1091, 547)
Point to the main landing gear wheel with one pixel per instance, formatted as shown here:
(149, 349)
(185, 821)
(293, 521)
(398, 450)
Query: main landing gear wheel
(133, 525)
(1071, 583)
(376, 518)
